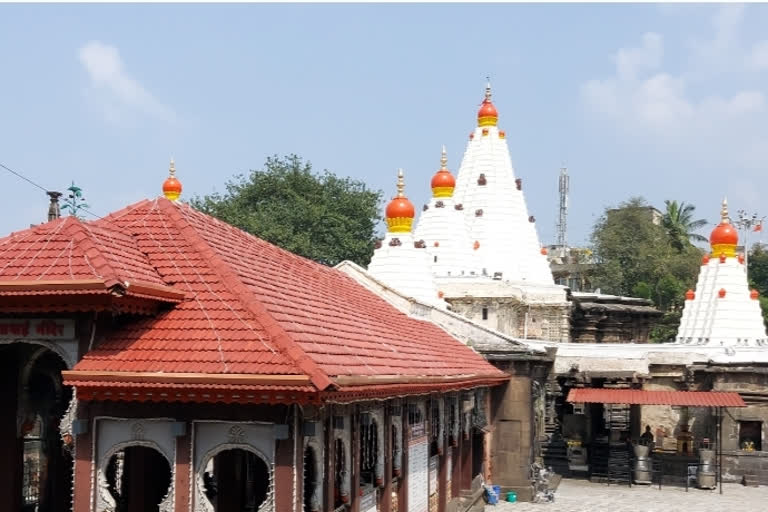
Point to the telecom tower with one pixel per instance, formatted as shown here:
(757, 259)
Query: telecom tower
(562, 223)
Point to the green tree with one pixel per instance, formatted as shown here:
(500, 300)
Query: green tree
(680, 226)
(319, 216)
(636, 256)
(758, 275)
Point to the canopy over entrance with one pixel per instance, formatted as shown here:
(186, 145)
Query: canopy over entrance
(641, 397)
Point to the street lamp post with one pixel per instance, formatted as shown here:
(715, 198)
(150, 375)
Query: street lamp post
(748, 223)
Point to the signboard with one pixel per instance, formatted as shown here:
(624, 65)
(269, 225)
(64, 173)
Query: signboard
(433, 474)
(368, 501)
(418, 485)
(37, 329)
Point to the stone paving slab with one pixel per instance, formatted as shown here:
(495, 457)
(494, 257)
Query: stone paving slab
(585, 496)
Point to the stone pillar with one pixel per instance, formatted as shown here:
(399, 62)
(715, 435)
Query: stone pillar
(183, 463)
(11, 447)
(385, 504)
(284, 466)
(84, 487)
(330, 455)
(354, 491)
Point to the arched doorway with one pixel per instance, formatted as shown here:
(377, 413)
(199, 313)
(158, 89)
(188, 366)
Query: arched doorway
(138, 479)
(236, 480)
(36, 468)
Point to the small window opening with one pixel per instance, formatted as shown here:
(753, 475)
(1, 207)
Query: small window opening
(750, 436)
(485, 313)
(435, 259)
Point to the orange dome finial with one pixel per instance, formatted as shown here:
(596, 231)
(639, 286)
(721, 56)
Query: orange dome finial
(724, 237)
(400, 211)
(171, 185)
(443, 182)
(487, 115)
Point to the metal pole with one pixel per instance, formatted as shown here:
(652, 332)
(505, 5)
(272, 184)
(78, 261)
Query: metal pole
(720, 446)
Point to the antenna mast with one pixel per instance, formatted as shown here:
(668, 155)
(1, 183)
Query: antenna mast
(562, 223)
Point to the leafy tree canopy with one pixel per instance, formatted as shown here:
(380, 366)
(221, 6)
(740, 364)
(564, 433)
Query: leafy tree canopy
(319, 216)
(758, 275)
(637, 256)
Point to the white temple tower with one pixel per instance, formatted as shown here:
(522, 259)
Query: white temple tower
(494, 204)
(722, 311)
(400, 261)
(442, 226)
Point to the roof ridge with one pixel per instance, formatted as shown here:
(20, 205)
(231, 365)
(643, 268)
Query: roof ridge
(83, 240)
(279, 336)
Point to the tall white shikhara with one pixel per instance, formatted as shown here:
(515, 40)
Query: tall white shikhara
(503, 234)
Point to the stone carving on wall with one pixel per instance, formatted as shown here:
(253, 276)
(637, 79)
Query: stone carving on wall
(397, 448)
(214, 437)
(65, 426)
(343, 435)
(114, 435)
(316, 500)
(378, 416)
(202, 504)
(105, 502)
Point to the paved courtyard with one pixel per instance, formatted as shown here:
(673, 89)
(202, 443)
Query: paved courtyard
(584, 496)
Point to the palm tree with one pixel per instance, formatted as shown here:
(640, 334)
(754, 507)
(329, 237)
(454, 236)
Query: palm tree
(679, 224)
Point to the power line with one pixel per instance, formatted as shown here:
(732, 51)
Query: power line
(23, 177)
(19, 175)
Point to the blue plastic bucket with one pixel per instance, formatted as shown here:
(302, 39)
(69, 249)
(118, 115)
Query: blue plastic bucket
(497, 490)
(511, 496)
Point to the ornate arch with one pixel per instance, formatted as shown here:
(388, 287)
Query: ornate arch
(236, 440)
(104, 500)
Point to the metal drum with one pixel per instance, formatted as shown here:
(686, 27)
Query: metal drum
(642, 472)
(705, 476)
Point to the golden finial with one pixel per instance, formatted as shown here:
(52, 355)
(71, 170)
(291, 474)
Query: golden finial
(724, 212)
(400, 184)
(443, 159)
(171, 185)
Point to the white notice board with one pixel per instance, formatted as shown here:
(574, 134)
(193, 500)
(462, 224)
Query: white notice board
(418, 474)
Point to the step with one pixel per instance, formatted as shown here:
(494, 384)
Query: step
(750, 480)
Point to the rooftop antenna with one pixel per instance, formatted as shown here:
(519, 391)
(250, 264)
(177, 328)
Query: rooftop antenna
(562, 222)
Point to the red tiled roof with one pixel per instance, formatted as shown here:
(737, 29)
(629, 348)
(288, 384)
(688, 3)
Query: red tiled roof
(642, 397)
(70, 250)
(253, 308)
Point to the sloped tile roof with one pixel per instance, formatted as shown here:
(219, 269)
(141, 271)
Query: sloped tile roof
(68, 249)
(642, 397)
(251, 308)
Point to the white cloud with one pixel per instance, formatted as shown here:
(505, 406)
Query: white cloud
(757, 59)
(120, 90)
(705, 114)
(631, 61)
(642, 96)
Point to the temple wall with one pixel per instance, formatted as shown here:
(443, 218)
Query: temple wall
(540, 321)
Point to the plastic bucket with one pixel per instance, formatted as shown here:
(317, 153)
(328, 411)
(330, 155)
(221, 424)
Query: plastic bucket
(497, 490)
(511, 496)
(492, 495)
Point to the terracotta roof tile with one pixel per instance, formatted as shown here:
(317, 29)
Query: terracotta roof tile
(252, 308)
(642, 397)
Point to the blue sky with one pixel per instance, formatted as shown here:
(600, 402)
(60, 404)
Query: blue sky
(667, 102)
